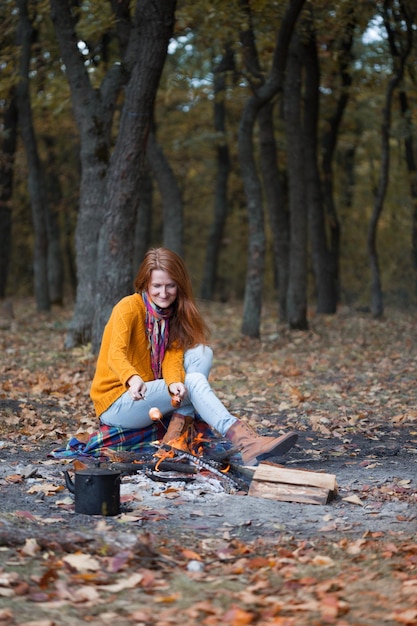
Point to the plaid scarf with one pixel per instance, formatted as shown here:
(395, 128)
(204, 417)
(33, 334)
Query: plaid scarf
(157, 328)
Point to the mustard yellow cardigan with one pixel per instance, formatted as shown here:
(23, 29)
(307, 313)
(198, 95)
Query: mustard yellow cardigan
(125, 351)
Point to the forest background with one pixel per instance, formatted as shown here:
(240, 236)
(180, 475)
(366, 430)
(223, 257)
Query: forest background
(272, 145)
(269, 143)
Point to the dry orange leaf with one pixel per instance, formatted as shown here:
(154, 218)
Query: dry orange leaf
(14, 478)
(46, 488)
(236, 616)
(190, 554)
(79, 465)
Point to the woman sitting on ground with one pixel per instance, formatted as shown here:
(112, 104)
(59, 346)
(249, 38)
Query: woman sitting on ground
(154, 348)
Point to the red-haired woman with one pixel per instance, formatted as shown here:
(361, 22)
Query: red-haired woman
(154, 346)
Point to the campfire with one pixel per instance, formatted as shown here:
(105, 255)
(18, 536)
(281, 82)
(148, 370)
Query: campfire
(181, 458)
(192, 458)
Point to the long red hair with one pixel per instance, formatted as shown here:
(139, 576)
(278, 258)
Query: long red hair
(187, 327)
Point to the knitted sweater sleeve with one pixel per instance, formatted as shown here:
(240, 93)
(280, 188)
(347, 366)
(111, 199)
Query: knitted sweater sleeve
(127, 350)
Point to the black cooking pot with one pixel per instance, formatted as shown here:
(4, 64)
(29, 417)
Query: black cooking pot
(96, 491)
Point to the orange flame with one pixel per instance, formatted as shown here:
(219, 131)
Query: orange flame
(186, 442)
(180, 443)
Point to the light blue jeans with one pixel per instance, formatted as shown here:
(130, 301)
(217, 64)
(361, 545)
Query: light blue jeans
(200, 398)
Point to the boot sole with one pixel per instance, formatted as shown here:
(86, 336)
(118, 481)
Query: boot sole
(286, 443)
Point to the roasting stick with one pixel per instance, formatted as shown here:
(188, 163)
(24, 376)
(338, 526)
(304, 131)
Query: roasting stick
(156, 415)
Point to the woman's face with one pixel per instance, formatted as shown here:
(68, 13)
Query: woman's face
(162, 289)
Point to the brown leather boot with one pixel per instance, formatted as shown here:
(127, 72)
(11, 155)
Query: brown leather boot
(255, 448)
(177, 426)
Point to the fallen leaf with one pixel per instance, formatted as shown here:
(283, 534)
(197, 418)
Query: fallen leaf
(409, 616)
(87, 593)
(236, 616)
(30, 548)
(322, 560)
(127, 583)
(14, 478)
(353, 500)
(82, 562)
(168, 599)
(46, 488)
(65, 501)
(6, 616)
(191, 555)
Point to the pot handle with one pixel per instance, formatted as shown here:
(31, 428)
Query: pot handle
(68, 482)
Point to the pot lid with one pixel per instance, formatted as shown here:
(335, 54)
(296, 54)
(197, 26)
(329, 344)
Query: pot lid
(97, 471)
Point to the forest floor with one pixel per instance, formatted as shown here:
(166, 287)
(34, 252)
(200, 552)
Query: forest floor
(193, 552)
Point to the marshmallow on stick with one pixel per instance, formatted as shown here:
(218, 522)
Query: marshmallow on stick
(155, 414)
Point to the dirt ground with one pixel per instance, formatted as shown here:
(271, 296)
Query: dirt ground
(377, 477)
(192, 552)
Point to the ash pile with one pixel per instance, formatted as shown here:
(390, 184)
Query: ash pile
(191, 467)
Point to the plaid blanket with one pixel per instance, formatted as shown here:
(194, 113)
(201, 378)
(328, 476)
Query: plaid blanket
(121, 440)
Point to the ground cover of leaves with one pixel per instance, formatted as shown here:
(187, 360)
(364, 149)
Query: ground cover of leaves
(347, 386)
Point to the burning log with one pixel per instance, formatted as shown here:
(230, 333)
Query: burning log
(170, 477)
(207, 464)
(164, 466)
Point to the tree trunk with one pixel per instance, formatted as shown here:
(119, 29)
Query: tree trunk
(400, 50)
(325, 279)
(93, 111)
(263, 92)
(36, 183)
(328, 146)
(412, 173)
(8, 149)
(172, 205)
(297, 283)
(55, 262)
(154, 20)
(143, 221)
(252, 305)
(276, 203)
(223, 169)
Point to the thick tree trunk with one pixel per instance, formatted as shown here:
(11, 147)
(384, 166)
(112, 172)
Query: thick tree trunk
(154, 21)
(93, 111)
(297, 283)
(263, 93)
(172, 205)
(324, 274)
(36, 183)
(8, 149)
(223, 169)
(276, 203)
(252, 305)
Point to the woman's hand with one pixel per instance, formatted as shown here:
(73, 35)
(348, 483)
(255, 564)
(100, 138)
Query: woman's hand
(137, 387)
(178, 390)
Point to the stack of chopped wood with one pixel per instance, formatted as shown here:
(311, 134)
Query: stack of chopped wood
(291, 485)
